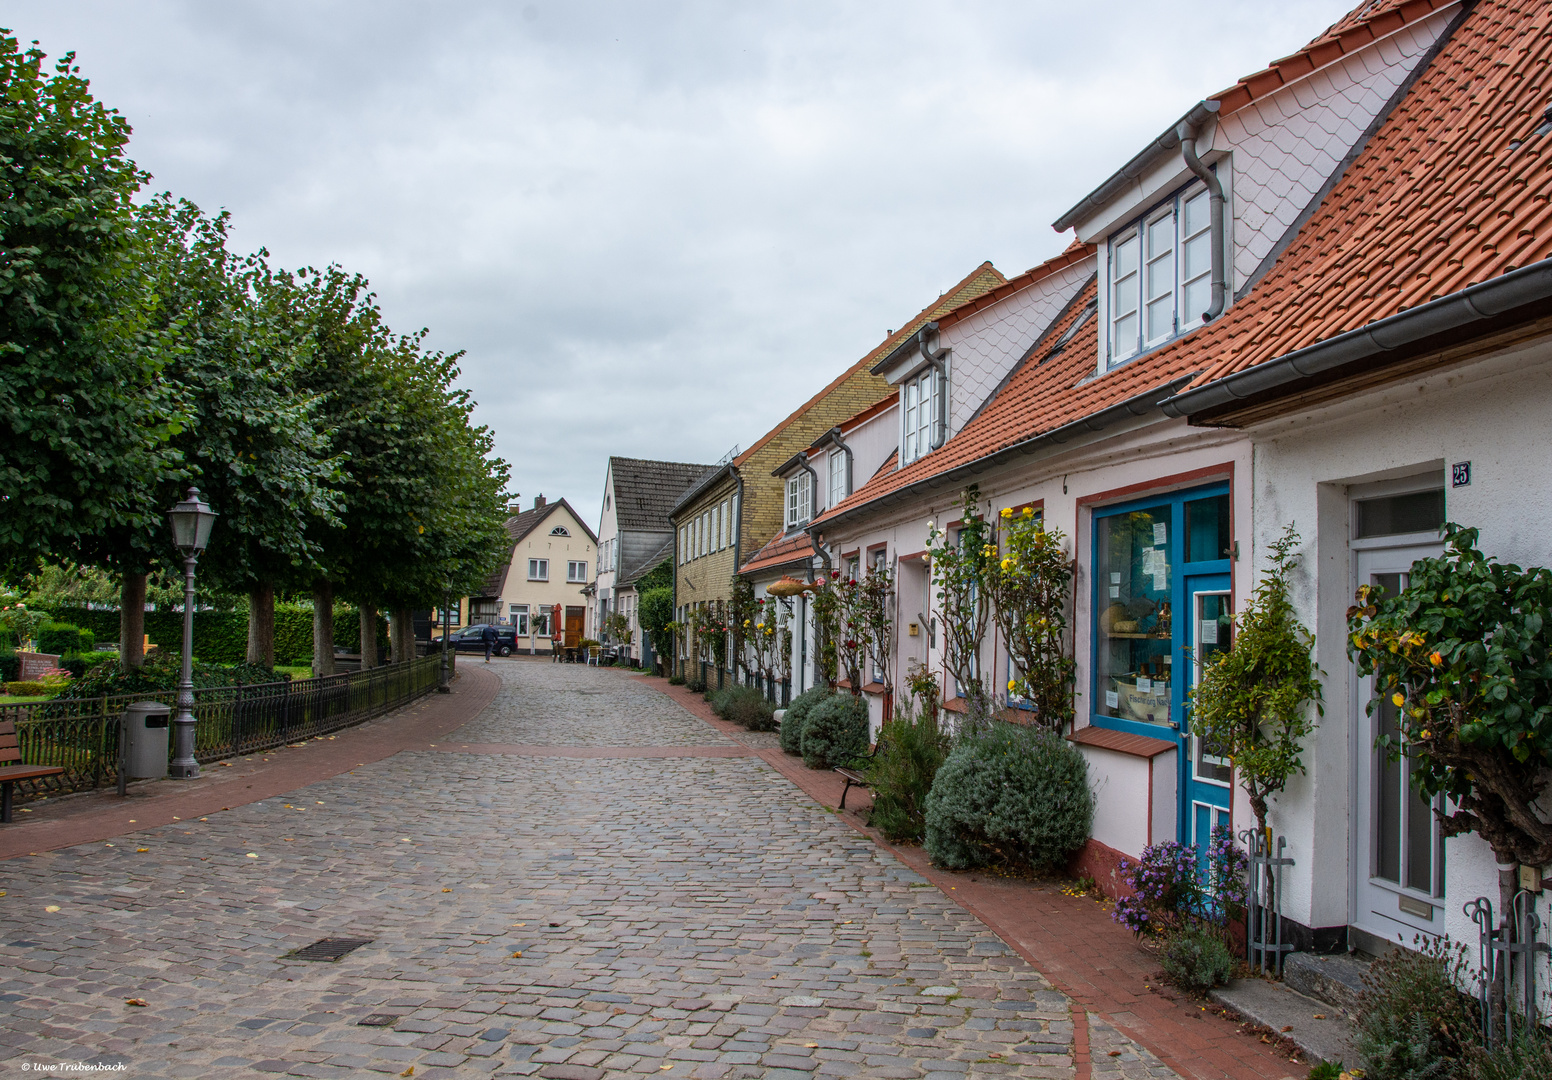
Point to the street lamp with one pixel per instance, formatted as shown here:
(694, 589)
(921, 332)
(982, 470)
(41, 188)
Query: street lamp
(190, 520)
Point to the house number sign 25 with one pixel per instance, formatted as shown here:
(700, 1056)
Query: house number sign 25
(1460, 474)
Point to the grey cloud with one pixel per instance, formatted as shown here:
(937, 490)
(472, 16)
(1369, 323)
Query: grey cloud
(655, 228)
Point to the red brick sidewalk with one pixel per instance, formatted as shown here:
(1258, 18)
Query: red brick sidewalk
(101, 815)
(1070, 940)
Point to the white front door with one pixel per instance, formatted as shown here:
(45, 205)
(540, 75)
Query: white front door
(1399, 857)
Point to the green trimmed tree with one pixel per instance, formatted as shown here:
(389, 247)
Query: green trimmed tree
(1252, 703)
(85, 412)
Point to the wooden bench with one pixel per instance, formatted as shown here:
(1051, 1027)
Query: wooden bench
(11, 768)
(855, 777)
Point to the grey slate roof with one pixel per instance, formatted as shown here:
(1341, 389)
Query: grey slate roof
(636, 573)
(645, 491)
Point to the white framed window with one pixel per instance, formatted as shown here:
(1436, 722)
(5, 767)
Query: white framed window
(538, 569)
(799, 500)
(724, 534)
(520, 619)
(540, 624)
(576, 570)
(684, 544)
(733, 524)
(560, 530)
(918, 410)
(1159, 280)
(835, 468)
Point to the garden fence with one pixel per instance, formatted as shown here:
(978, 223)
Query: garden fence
(82, 734)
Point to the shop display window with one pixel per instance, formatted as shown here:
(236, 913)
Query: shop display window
(1149, 559)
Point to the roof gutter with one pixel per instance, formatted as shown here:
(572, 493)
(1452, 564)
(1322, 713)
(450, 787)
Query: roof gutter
(1489, 299)
(839, 441)
(1149, 401)
(899, 352)
(1134, 169)
(939, 434)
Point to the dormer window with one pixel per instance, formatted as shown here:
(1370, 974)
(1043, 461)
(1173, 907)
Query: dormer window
(835, 468)
(800, 501)
(920, 404)
(1160, 275)
(560, 530)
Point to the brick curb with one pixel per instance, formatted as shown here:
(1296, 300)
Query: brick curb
(102, 815)
(1070, 940)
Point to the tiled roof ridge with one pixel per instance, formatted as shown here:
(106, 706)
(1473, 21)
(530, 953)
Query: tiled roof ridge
(1363, 26)
(969, 281)
(537, 515)
(656, 461)
(1076, 252)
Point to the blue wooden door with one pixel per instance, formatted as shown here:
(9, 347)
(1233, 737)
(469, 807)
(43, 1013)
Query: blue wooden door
(1206, 779)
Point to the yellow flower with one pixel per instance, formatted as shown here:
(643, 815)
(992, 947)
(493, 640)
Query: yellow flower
(1426, 733)
(1012, 685)
(1397, 699)
(1029, 511)
(1007, 512)
(1007, 564)
(1435, 659)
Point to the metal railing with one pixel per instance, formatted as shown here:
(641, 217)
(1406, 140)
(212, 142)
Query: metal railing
(81, 735)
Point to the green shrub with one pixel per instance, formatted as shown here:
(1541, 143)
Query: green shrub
(1197, 959)
(161, 671)
(1528, 1057)
(718, 700)
(797, 715)
(25, 689)
(64, 639)
(676, 680)
(695, 684)
(221, 637)
(747, 707)
(1413, 1023)
(836, 732)
(9, 666)
(1011, 794)
(79, 664)
(1326, 1070)
(910, 751)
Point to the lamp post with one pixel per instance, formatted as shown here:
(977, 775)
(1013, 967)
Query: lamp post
(445, 684)
(191, 521)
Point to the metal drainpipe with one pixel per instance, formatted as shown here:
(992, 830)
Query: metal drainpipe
(834, 435)
(939, 434)
(1187, 132)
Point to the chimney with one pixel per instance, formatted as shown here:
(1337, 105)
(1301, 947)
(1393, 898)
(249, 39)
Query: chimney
(538, 501)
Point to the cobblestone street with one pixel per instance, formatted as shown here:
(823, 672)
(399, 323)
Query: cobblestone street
(600, 885)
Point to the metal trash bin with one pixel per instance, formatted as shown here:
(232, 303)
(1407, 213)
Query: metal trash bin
(145, 740)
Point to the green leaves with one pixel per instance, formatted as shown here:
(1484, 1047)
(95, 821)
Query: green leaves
(1251, 703)
(1463, 646)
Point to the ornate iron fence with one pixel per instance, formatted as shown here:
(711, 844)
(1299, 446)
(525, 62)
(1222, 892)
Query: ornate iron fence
(82, 734)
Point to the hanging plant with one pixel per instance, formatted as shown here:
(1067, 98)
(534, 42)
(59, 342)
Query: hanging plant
(1251, 703)
(740, 612)
(1029, 586)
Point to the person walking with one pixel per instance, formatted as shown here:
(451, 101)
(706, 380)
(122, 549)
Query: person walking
(488, 636)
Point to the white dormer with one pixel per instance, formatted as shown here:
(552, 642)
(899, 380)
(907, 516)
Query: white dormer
(1273, 143)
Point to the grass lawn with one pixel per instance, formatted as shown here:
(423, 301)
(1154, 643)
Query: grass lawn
(296, 671)
(7, 699)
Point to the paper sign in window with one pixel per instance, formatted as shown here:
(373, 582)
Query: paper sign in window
(1208, 635)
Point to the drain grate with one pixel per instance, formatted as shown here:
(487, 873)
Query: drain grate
(330, 948)
(377, 1020)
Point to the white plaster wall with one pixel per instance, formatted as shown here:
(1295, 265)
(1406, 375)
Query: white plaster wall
(987, 344)
(1284, 146)
(1495, 414)
(608, 529)
(1121, 808)
(871, 442)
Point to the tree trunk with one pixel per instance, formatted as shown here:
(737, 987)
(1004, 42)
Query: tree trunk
(403, 624)
(261, 625)
(368, 636)
(132, 595)
(323, 627)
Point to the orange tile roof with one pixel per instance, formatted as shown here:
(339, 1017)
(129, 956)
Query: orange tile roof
(1438, 200)
(782, 550)
(1362, 26)
(983, 277)
(1076, 252)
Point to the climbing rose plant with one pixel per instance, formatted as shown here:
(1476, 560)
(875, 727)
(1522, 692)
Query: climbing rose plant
(961, 565)
(1029, 585)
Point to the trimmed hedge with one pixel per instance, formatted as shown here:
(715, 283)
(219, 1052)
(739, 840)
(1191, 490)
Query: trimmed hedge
(797, 715)
(63, 639)
(1010, 795)
(25, 689)
(836, 732)
(221, 637)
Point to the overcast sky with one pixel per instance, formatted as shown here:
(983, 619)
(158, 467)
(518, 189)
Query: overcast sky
(655, 228)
